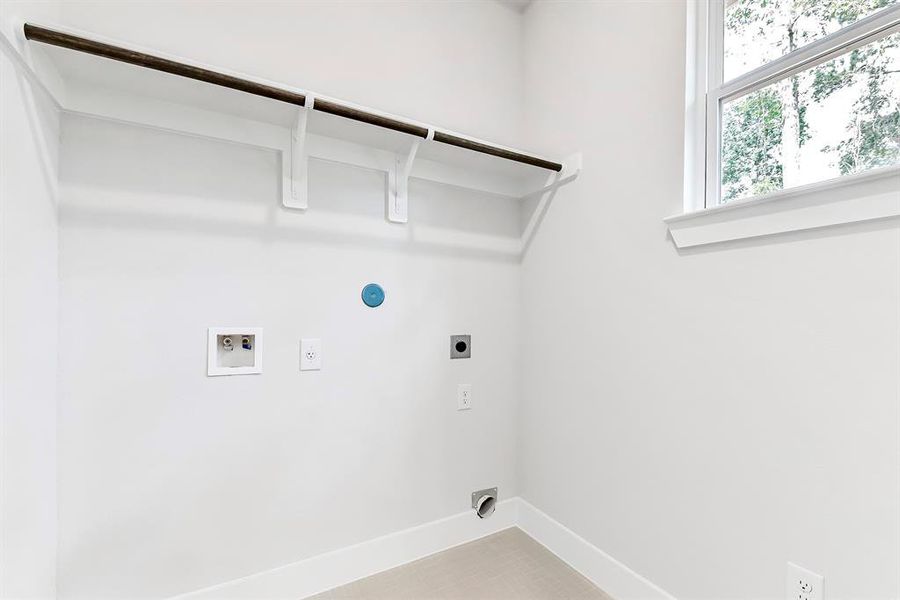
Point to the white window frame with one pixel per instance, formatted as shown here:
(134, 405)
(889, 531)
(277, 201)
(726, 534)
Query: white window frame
(706, 92)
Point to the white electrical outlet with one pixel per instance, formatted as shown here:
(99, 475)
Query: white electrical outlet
(310, 354)
(464, 396)
(803, 584)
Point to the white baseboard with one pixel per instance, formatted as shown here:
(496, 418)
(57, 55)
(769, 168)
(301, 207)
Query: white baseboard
(606, 572)
(325, 571)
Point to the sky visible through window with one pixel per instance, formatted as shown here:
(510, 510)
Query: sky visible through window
(838, 118)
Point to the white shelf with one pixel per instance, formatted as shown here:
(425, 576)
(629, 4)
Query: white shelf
(90, 85)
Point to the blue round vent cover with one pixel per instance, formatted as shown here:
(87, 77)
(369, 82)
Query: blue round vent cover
(373, 295)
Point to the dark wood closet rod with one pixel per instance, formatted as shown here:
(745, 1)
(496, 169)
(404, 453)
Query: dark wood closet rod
(74, 42)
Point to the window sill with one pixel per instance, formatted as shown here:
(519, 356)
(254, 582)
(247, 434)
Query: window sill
(851, 199)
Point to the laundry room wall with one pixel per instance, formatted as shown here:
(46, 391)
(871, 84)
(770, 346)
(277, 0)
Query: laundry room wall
(28, 329)
(719, 411)
(170, 480)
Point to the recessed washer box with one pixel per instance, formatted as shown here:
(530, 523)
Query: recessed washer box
(234, 351)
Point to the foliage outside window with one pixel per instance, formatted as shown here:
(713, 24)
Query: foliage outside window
(802, 91)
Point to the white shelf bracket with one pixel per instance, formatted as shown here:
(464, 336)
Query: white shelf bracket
(572, 166)
(299, 159)
(398, 182)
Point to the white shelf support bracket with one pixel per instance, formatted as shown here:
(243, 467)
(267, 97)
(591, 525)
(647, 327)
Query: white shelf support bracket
(572, 167)
(398, 182)
(299, 159)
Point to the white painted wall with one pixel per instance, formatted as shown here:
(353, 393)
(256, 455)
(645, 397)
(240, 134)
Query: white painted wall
(171, 481)
(28, 330)
(705, 416)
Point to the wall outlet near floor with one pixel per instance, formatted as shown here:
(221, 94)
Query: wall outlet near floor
(464, 396)
(310, 354)
(803, 584)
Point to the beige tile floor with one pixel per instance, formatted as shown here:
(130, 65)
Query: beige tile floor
(508, 565)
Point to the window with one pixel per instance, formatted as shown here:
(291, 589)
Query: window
(796, 92)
